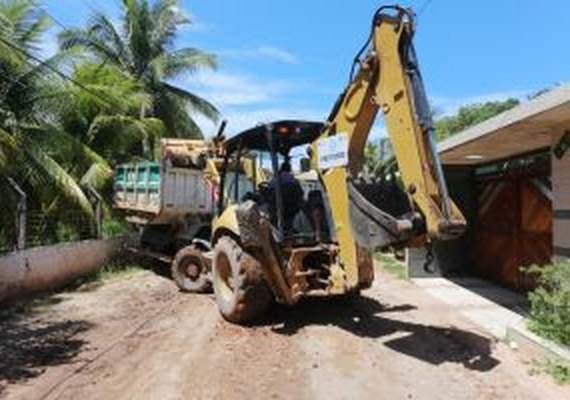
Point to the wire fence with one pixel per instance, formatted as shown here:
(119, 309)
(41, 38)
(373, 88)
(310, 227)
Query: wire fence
(43, 229)
(22, 228)
(36, 228)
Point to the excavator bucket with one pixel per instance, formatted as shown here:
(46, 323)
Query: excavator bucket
(373, 207)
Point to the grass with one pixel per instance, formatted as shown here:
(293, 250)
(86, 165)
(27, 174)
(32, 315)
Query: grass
(390, 264)
(116, 270)
(557, 369)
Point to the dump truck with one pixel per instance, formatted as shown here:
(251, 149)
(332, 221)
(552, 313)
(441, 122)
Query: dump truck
(172, 203)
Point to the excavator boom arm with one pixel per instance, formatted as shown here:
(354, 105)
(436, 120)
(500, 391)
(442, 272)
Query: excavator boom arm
(386, 78)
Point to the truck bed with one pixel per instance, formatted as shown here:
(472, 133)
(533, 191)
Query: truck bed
(162, 194)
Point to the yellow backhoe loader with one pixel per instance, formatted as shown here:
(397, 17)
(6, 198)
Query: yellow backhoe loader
(274, 240)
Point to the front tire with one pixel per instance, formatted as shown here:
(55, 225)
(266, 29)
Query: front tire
(239, 285)
(191, 271)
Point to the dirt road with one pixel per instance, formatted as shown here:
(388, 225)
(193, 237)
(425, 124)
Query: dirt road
(139, 338)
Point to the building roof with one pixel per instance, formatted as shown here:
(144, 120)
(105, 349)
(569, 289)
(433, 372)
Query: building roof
(528, 127)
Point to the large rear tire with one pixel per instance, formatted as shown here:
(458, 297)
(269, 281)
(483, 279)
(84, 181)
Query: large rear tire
(191, 271)
(240, 288)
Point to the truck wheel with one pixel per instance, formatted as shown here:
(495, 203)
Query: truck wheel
(240, 288)
(190, 271)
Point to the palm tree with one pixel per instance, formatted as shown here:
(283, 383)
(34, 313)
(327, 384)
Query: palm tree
(103, 112)
(27, 91)
(33, 147)
(143, 47)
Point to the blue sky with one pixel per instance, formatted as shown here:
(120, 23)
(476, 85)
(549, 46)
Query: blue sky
(290, 59)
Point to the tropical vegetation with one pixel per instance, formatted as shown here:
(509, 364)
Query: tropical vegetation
(471, 115)
(142, 48)
(61, 133)
(379, 161)
(550, 302)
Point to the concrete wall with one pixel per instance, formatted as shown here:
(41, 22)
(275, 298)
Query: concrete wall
(49, 267)
(561, 205)
(451, 257)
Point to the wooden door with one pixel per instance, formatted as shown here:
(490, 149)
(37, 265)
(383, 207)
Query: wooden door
(513, 226)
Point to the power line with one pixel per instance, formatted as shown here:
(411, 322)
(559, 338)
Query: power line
(30, 56)
(43, 9)
(43, 62)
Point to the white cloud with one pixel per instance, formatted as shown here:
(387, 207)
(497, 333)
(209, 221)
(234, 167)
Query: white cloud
(262, 52)
(446, 106)
(225, 89)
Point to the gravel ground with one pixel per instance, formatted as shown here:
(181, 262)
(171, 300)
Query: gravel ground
(139, 338)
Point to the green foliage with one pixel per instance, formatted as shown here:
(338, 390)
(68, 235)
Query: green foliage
(550, 302)
(108, 117)
(542, 91)
(143, 49)
(59, 139)
(66, 233)
(111, 91)
(27, 91)
(557, 369)
(379, 161)
(560, 371)
(23, 23)
(471, 115)
(117, 270)
(121, 268)
(114, 227)
(390, 264)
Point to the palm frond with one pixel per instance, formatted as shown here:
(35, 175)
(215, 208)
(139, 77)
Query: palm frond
(67, 150)
(26, 161)
(173, 111)
(196, 103)
(98, 177)
(77, 38)
(24, 23)
(116, 135)
(167, 17)
(33, 33)
(184, 61)
(8, 150)
(104, 29)
(45, 170)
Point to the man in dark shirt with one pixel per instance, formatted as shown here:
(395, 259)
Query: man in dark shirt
(291, 192)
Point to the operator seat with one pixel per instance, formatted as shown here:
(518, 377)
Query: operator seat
(292, 194)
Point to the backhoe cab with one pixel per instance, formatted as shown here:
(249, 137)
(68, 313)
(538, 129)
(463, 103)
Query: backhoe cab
(272, 237)
(274, 240)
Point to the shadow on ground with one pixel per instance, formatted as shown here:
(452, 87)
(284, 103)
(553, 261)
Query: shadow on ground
(28, 345)
(366, 317)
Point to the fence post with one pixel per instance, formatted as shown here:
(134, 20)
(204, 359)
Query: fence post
(20, 215)
(98, 211)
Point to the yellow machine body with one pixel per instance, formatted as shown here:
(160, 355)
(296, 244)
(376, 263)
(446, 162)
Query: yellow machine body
(385, 78)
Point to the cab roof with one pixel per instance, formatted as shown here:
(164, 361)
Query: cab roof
(286, 134)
